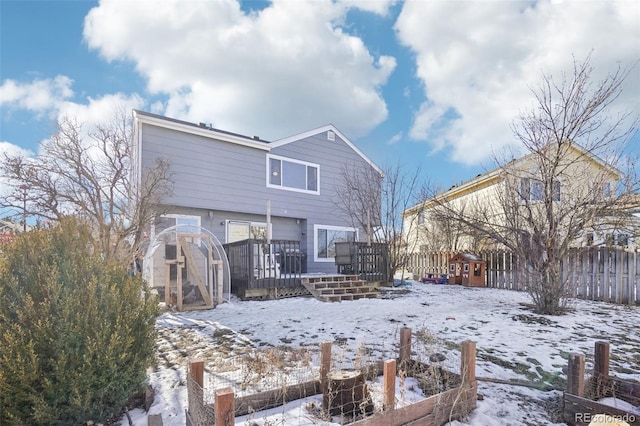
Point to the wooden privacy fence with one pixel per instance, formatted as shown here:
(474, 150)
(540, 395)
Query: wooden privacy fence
(595, 273)
(434, 263)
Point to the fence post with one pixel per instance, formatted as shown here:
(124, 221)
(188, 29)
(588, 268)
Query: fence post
(196, 371)
(575, 375)
(405, 344)
(468, 361)
(195, 394)
(154, 420)
(601, 360)
(224, 407)
(389, 372)
(325, 363)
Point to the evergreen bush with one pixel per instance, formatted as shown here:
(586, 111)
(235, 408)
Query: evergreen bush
(76, 334)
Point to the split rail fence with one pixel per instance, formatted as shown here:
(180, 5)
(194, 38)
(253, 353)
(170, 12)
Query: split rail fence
(595, 273)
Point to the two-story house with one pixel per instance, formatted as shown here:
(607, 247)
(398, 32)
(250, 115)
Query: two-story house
(528, 191)
(234, 185)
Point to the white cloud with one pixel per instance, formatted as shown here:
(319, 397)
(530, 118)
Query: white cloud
(12, 150)
(395, 139)
(100, 110)
(274, 72)
(478, 61)
(39, 96)
(51, 97)
(5, 184)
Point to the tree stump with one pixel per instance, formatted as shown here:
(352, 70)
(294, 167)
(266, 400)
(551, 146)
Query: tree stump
(346, 394)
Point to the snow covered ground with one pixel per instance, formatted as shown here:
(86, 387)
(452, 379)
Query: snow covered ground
(513, 343)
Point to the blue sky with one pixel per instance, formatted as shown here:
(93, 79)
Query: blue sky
(431, 84)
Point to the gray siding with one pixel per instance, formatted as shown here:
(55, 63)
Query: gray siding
(230, 181)
(322, 209)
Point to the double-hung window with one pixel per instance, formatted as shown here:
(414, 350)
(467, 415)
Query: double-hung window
(293, 175)
(533, 190)
(325, 239)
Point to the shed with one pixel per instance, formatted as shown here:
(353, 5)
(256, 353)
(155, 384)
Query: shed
(467, 269)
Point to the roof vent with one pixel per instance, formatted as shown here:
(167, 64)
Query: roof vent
(331, 136)
(257, 138)
(201, 124)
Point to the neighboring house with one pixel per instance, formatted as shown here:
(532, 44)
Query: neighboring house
(224, 182)
(625, 232)
(583, 174)
(8, 230)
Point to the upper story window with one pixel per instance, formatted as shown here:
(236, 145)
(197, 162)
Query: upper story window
(603, 189)
(533, 190)
(293, 175)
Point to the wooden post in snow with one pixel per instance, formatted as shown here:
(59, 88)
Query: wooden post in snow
(601, 360)
(575, 375)
(389, 372)
(325, 363)
(224, 401)
(405, 344)
(195, 394)
(468, 361)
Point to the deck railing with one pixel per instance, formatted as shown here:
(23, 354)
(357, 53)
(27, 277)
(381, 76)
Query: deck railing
(369, 262)
(257, 264)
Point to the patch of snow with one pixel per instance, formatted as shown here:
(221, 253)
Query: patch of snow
(513, 343)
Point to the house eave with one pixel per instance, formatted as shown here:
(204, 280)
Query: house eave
(458, 191)
(328, 127)
(146, 118)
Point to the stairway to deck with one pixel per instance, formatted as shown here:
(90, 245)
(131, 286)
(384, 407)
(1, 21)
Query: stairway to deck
(336, 288)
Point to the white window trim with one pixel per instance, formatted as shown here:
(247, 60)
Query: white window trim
(329, 228)
(291, 160)
(250, 223)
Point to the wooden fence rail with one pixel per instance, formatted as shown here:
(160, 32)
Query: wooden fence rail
(594, 273)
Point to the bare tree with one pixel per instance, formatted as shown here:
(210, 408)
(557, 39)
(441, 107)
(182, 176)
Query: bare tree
(442, 231)
(375, 203)
(572, 179)
(89, 176)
